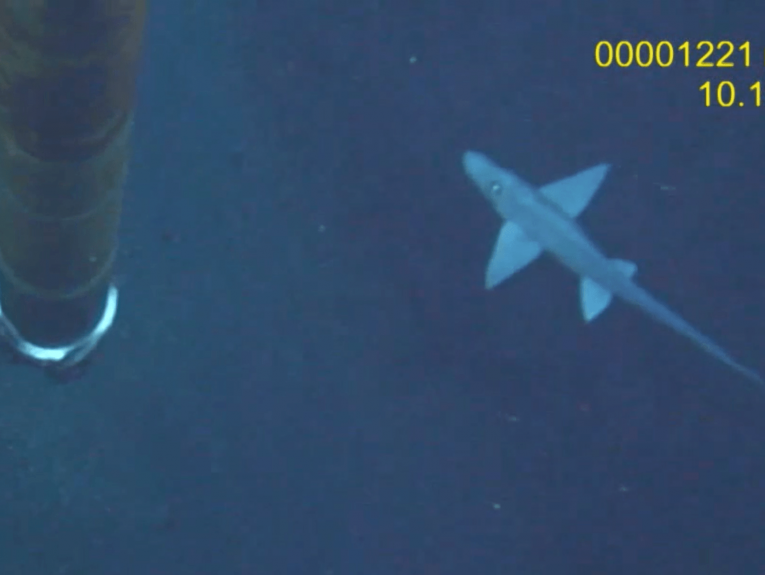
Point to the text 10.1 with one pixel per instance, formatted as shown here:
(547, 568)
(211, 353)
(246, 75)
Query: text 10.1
(723, 94)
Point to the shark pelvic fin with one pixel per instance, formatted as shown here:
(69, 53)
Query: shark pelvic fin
(594, 299)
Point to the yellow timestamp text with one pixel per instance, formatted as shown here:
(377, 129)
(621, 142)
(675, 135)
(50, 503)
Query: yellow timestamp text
(704, 54)
(725, 95)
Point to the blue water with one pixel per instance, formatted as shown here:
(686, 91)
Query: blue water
(306, 375)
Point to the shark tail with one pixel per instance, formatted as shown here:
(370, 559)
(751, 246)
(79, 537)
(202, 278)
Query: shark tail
(663, 314)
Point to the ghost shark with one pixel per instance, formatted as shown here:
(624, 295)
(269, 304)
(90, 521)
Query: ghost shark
(537, 220)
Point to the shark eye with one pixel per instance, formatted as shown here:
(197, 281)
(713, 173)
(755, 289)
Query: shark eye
(496, 189)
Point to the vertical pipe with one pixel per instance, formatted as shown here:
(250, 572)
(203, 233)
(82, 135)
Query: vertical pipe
(67, 85)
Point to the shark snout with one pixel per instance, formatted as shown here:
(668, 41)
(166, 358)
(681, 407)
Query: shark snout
(480, 169)
(474, 163)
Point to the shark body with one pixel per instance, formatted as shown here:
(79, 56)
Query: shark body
(543, 220)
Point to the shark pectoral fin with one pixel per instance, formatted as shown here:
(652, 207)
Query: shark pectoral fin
(626, 267)
(512, 252)
(593, 298)
(572, 194)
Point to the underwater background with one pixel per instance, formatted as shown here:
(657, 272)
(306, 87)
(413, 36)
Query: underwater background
(307, 376)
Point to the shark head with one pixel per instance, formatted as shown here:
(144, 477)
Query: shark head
(502, 188)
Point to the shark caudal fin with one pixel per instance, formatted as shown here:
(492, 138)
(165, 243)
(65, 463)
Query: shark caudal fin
(595, 299)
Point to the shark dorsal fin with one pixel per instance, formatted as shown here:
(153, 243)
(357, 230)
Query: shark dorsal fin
(572, 194)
